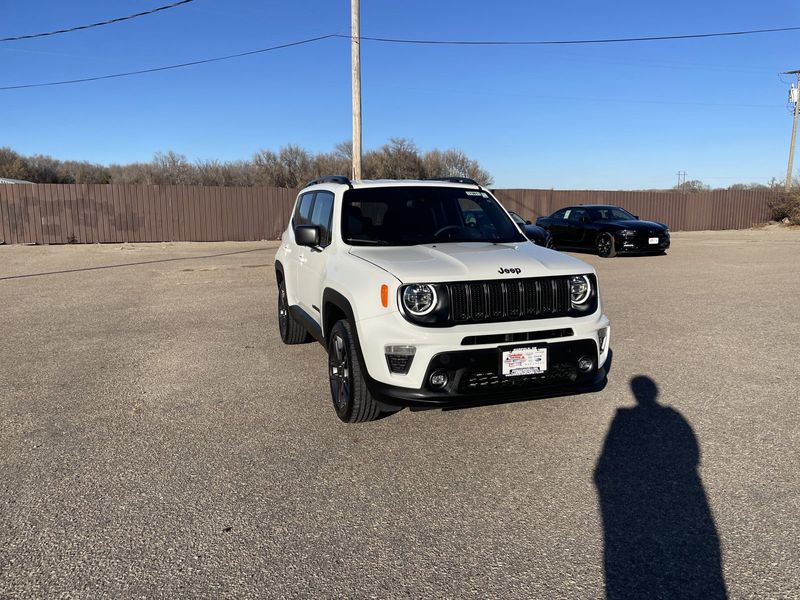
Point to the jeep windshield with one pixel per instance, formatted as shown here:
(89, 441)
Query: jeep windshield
(410, 215)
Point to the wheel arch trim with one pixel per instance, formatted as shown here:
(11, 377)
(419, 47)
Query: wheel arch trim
(332, 297)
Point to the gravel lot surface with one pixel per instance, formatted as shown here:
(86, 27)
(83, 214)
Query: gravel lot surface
(158, 440)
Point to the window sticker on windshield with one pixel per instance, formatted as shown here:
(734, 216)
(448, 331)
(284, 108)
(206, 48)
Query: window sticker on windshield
(482, 194)
(566, 214)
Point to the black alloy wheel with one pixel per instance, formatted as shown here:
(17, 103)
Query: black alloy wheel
(291, 331)
(351, 398)
(339, 370)
(283, 311)
(605, 246)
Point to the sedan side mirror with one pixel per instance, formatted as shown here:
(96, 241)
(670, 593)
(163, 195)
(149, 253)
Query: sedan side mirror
(528, 222)
(307, 235)
(636, 217)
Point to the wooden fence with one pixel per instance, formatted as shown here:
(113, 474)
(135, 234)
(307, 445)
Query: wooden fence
(60, 214)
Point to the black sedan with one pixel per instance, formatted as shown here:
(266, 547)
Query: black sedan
(608, 230)
(538, 235)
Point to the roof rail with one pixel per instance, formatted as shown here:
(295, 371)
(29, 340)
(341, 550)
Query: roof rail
(330, 179)
(466, 180)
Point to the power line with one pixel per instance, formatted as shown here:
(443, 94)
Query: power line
(739, 177)
(167, 68)
(652, 38)
(98, 24)
(380, 39)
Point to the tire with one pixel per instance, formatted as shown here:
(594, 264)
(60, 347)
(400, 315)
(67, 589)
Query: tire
(291, 331)
(605, 246)
(351, 399)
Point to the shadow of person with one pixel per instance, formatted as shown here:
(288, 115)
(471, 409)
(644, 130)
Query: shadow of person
(659, 533)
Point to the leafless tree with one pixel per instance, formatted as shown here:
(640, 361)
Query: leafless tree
(693, 185)
(291, 166)
(454, 163)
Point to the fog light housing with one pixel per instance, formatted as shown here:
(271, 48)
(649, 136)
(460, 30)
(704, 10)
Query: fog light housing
(585, 364)
(438, 379)
(602, 337)
(399, 358)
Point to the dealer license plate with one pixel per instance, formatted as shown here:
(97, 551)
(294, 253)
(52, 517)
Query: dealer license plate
(652, 240)
(523, 361)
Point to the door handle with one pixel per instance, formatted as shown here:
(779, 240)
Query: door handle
(302, 259)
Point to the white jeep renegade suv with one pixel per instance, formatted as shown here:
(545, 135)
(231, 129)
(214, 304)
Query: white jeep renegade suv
(426, 293)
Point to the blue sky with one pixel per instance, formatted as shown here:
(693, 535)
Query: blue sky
(614, 116)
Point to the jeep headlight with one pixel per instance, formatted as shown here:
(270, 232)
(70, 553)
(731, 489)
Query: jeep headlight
(579, 288)
(419, 299)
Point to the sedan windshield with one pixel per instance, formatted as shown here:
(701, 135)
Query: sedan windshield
(611, 213)
(406, 216)
(517, 219)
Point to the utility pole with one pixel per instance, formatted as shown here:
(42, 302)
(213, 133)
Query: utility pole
(793, 97)
(681, 180)
(355, 53)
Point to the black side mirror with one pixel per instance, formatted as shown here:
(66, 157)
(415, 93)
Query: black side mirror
(636, 217)
(585, 220)
(307, 235)
(528, 222)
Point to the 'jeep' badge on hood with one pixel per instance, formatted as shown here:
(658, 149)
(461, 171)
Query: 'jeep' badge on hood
(514, 270)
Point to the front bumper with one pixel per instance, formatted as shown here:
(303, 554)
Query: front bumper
(473, 366)
(640, 244)
(474, 379)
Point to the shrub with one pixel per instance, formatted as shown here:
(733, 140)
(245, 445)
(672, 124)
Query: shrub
(786, 205)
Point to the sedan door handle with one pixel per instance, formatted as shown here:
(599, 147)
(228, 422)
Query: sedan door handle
(302, 259)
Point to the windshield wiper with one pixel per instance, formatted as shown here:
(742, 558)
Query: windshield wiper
(352, 241)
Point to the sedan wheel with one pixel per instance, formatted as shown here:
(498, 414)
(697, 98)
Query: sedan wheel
(605, 246)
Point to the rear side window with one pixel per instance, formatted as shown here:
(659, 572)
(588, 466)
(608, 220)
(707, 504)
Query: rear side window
(577, 215)
(322, 216)
(302, 214)
(560, 214)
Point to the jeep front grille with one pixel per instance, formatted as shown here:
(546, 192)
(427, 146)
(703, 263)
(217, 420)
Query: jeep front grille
(509, 300)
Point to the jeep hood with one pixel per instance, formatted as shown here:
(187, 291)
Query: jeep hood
(470, 261)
